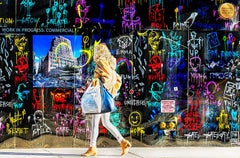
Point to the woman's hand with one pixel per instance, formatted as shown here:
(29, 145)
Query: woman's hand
(95, 82)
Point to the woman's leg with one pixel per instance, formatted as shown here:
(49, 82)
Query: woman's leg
(110, 127)
(95, 129)
(125, 144)
(92, 150)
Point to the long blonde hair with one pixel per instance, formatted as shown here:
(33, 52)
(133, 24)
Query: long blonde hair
(101, 52)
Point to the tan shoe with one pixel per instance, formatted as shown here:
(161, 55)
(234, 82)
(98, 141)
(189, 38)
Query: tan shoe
(92, 151)
(125, 144)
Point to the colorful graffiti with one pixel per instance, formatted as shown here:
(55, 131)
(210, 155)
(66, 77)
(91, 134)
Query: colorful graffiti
(178, 60)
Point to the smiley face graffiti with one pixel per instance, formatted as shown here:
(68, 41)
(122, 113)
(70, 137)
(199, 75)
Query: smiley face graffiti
(135, 118)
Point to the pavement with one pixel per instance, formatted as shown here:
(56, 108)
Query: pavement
(134, 152)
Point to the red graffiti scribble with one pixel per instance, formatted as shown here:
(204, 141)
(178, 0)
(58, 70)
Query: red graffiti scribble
(62, 107)
(22, 70)
(155, 66)
(38, 102)
(156, 16)
(192, 118)
(192, 121)
(60, 100)
(60, 95)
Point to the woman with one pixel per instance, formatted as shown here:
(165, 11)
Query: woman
(105, 70)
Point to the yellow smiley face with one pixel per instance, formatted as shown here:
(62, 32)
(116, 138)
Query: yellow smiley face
(135, 118)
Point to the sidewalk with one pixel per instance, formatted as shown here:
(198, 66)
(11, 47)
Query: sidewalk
(135, 152)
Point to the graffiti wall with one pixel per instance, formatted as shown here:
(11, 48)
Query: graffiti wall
(179, 62)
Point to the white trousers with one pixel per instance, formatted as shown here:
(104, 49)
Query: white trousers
(105, 118)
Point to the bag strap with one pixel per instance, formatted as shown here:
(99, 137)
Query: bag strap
(101, 82)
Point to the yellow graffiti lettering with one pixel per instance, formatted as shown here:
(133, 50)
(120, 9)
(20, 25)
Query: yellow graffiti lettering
(139, 131)
(18, 131)
(7, 20)
(20, 54)
(17, 118)
(20, 43)
(15, 130)
(223, 121)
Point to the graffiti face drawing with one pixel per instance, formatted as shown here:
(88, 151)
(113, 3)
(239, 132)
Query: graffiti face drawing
(135, 118)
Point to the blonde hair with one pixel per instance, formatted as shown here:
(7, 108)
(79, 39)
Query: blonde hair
(101, 52)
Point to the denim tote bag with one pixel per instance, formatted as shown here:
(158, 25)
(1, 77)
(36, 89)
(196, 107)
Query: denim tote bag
(108, 102)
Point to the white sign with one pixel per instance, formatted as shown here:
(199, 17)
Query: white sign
(167, 106)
